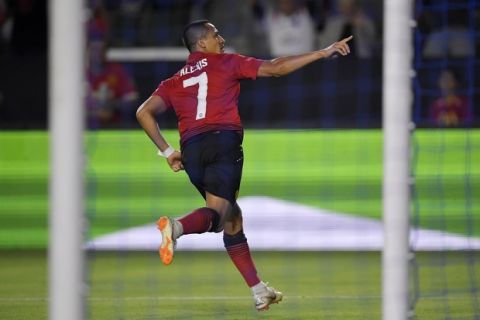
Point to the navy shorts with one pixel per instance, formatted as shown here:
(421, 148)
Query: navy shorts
(214, 161)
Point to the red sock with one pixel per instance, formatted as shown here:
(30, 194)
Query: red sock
(239, 252)
(200, 221)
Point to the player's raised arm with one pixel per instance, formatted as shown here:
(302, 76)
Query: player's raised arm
(146, 117)
(284, 65)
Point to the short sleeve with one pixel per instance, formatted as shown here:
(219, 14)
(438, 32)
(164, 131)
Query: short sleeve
(163, 92)
(245, 67)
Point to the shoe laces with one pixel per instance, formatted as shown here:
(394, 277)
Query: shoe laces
(267, 292)
(174, 239)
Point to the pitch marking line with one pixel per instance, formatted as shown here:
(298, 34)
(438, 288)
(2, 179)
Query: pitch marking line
(214, 298)
(191, 298)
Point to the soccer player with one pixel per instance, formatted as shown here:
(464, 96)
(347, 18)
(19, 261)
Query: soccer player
(204, 95)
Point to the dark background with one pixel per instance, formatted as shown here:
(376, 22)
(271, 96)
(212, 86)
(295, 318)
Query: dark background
(338, 93)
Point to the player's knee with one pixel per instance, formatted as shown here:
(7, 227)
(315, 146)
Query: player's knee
(218, 229)
(237, 213)
(216, 221)
(234, 214)
(219, 224)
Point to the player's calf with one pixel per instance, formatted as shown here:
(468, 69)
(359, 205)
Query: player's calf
(200, 220)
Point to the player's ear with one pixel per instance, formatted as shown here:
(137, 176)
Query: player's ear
(201, 43)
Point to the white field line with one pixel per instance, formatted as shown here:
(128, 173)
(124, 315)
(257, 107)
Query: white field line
(219, 298)
(189, 298)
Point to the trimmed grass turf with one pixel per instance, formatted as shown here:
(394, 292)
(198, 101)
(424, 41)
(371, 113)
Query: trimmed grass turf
(340, 170)
(205, 285)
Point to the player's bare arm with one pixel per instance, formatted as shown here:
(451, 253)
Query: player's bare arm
(284, 65)
(146, 117)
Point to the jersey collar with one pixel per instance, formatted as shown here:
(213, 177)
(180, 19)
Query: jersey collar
(194, 56)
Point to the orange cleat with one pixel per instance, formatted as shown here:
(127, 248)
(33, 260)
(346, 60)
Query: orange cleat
(165, 225)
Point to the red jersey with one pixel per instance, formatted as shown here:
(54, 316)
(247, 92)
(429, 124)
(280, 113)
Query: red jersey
(451, 110)
(204, 93)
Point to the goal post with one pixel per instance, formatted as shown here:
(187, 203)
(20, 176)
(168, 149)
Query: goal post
(397, 101)
(66, 122)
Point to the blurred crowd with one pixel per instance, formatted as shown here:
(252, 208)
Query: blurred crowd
(255, 27)
(261, 28)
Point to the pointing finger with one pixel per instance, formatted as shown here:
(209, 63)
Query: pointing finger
(347, 39)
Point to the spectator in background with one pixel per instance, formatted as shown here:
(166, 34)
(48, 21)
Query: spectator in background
(112, 96)
(447, 37)
(451, 108)
(290, 28)
(128, 18)
(235, 19)
(351, 20)
(98, 24)
(320, 10)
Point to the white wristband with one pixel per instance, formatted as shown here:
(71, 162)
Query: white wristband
(167, 153)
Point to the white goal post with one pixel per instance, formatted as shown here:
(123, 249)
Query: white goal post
(66, 123)
(397, 102)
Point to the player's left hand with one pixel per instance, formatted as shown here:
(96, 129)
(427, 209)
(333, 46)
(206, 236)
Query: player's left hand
(175, 161)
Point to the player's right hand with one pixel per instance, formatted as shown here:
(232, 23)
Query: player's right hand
(175, 161)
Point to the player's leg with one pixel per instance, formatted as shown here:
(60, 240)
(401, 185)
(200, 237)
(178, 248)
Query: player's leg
(222, 179)
(199, 220)
(213, 162)
(237, 248)
(222, 183)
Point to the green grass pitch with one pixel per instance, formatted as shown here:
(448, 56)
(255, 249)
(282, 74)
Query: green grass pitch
(340, 170)
(205, 285)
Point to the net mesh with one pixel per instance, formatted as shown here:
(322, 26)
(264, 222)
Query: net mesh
(445, 158)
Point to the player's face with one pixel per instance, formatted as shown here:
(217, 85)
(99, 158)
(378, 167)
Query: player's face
(213, 41)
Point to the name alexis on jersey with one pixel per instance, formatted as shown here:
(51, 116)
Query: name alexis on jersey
(198, 66)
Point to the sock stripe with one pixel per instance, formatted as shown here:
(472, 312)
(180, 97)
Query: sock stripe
(239, 248)
(239, 252)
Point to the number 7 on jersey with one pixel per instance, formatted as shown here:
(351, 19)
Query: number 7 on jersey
(202, 81)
